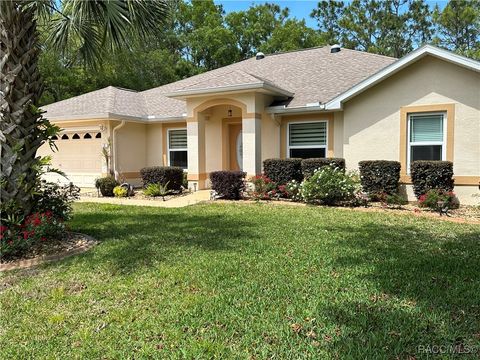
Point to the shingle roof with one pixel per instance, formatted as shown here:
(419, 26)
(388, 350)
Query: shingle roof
(312, 75)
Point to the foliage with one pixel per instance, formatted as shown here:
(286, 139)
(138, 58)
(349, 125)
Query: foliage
(154, 190)
(281, 171)
(171, 176)
(390, 28)
(263, 188)
(57, 199)
(228, 184)
(379, 176)
(436, 198)
(391, 200)
(310, 165)
(329, 185)
(106, 185)
(120, 191)
(458, 27)
(428, 175)
(292, 190)
(15, 240)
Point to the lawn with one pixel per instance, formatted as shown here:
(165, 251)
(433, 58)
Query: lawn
(248, 281)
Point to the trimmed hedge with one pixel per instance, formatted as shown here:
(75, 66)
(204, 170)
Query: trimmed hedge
(310, 165)
(379, 176)
(427, 175)
(282, 171)
(106, 185)
(163, 174)
(228, 184)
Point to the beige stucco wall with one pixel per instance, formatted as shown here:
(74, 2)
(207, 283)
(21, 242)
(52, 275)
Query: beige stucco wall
(372, 119)
(131, 148)
(154, 144)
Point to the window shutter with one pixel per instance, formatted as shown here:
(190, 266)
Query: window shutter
(308, 134)
(426, 128)
(178, 139)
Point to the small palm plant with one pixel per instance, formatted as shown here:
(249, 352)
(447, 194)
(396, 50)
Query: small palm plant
(157, 189)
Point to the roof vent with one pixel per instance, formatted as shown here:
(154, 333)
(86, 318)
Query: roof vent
(335, 48)
(260, 56)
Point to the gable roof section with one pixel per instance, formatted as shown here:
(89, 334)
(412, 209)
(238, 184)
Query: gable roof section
(336, 103)
(103, 103)
(235, 80)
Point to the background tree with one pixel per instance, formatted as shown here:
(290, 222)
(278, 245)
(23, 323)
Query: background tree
(458, 27)
(328, 15)
(86, 27)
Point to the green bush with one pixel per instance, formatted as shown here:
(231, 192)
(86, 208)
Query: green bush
(433, 197)
(106, 185)
(120, 191)
(228, 184)
(310, 165)
(281, 171)
(391, 200)
(172, 175)
(427, 175)
(379, 177)
(329, 185)
(56, 198)
(155, 190)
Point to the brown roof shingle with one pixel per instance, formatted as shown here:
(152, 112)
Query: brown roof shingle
(313, 75)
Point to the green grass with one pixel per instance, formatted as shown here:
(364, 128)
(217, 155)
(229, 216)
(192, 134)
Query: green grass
(248, 281)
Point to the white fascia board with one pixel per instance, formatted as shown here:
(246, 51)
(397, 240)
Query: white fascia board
(336, 103)
(294, 110)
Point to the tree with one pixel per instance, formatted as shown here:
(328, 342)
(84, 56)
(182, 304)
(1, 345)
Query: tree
(458, 27)
(391, 27)
(87, 27)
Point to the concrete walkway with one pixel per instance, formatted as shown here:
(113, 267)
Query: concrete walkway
(174, 202)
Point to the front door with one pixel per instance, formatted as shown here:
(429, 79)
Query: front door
(235, 146)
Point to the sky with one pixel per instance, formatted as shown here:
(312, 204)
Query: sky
(300, 9)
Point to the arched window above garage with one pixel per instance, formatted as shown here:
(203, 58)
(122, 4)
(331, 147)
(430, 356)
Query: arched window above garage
(98, 136)
(87, 136)
(76, 136)
(64, 137)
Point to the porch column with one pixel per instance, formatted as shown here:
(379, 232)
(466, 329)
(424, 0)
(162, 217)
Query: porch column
(196, 153)
(252, 151)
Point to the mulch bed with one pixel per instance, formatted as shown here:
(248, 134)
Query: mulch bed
(138, 195)
(465, 214)
(72, 244)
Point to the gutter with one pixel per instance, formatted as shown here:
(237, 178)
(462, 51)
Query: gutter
(314, 107)
(115, 129)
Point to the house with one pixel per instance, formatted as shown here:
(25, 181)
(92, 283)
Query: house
(319, 102)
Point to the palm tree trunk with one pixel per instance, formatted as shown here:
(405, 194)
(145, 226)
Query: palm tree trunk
(22, 128)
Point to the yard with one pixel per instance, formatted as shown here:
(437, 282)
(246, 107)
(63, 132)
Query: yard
(249, 281)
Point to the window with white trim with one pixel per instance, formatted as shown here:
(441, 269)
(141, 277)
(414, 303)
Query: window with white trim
(307, 139)
(177, 147)
(426, 137)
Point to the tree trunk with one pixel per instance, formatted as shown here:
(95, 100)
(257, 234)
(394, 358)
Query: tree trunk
(22, 128)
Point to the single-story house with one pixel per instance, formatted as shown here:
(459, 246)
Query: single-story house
(319, 102)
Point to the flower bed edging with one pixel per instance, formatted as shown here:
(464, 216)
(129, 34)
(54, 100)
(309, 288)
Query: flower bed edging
(24, 264)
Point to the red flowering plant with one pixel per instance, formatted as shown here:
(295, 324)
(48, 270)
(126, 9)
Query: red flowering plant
(264, 188)
(438, 198)
(15, 239)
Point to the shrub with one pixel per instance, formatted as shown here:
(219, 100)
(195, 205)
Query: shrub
(56, 199)
(106, 185)
(433, 197)
(329, 185)
(155, 190)
(310, 165)
(291, 190)
(120, 191)
(228, 184)
(281, 171)
(172, 175)
(263, 188)
(427, 175)
(379, 177)
(16, 239)
(391, 200)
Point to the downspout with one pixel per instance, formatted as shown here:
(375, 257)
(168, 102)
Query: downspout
(119, 126)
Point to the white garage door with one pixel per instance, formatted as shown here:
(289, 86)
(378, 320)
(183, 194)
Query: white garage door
(79, 156)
